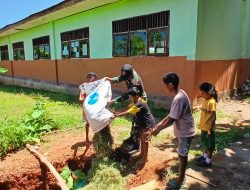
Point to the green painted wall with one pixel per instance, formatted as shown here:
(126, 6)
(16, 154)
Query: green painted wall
(223, 30)
(182, 24)
(183, 21)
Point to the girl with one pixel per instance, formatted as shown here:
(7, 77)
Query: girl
(207, 123)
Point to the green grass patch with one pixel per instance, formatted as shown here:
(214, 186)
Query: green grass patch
(227, 135)
(16, 101)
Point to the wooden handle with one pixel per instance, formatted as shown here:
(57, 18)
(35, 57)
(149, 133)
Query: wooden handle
(42, 159)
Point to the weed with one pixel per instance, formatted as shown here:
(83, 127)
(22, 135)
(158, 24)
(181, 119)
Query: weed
(75, 180)
(105, 174)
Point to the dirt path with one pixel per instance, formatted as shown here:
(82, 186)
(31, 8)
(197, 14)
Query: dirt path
(231, 170)
(21, 171)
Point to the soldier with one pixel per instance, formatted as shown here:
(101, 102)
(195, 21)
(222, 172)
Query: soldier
(131, 78)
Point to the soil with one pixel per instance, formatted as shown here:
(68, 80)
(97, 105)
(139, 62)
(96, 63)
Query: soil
(21, 171)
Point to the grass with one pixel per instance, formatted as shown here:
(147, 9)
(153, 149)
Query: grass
(105, 174)
(65, 111)
(16, 101)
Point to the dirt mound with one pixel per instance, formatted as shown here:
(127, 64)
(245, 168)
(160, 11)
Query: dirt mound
(22, 171)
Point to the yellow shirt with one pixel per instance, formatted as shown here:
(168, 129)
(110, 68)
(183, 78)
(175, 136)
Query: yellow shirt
(207, 120)
(133, 109)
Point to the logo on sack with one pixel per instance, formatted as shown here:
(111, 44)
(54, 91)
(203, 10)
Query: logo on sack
(93, 98)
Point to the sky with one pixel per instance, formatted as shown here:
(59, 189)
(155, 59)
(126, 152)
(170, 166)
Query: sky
(15, 10)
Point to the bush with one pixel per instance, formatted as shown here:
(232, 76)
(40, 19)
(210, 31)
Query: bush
(11, 137)
(14, 135)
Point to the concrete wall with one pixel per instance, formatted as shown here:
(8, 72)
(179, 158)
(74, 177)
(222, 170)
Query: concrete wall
(226, 75)
(74, 71)
(151, 72)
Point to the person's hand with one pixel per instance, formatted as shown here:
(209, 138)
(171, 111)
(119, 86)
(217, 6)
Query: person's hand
(109, 79)
(113, 116)
(109, 103)
(208, 133)
(155, 130)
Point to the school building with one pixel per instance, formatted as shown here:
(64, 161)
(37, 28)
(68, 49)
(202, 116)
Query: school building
(201, 40)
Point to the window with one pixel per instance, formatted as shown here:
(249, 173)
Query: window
(157, 42)
(143, 35)
(18, 51)
(75, 44)
(4, 52)
(41, 48)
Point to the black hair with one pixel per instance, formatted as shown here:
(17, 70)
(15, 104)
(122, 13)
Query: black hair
(210, 89)
(172, 78)
(134, 91)
(91, 74)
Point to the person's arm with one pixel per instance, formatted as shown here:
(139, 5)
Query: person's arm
(163, 120)
(121, 98)
(166, 122)
(122, 114)
(211, 118)
(114, 79)
(175, 113)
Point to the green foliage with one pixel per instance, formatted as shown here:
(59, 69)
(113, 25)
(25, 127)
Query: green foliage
(14, 135)
(38, 121)
(138, 44)
(11, 137)
(105, 174)
(3, 70)
(73, 183)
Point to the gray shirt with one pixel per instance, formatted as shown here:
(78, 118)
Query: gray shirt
(181, 112)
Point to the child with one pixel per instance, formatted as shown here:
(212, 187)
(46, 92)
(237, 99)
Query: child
(90, 78)
(207, 123)
(181, 116)
(144, 121)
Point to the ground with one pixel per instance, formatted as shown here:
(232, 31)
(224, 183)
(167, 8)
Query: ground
(20, 170)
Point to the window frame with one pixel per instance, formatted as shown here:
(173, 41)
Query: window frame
(18, 48)
(147, 29)
(80, 40)
(41, 44)
(128, 39)
(4, 52)
(167, 42)
(146, 43)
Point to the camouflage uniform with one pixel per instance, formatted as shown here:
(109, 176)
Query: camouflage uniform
(134, 81)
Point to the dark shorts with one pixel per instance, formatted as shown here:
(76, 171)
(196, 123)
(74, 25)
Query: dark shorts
(184, 144)
(208, 142)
